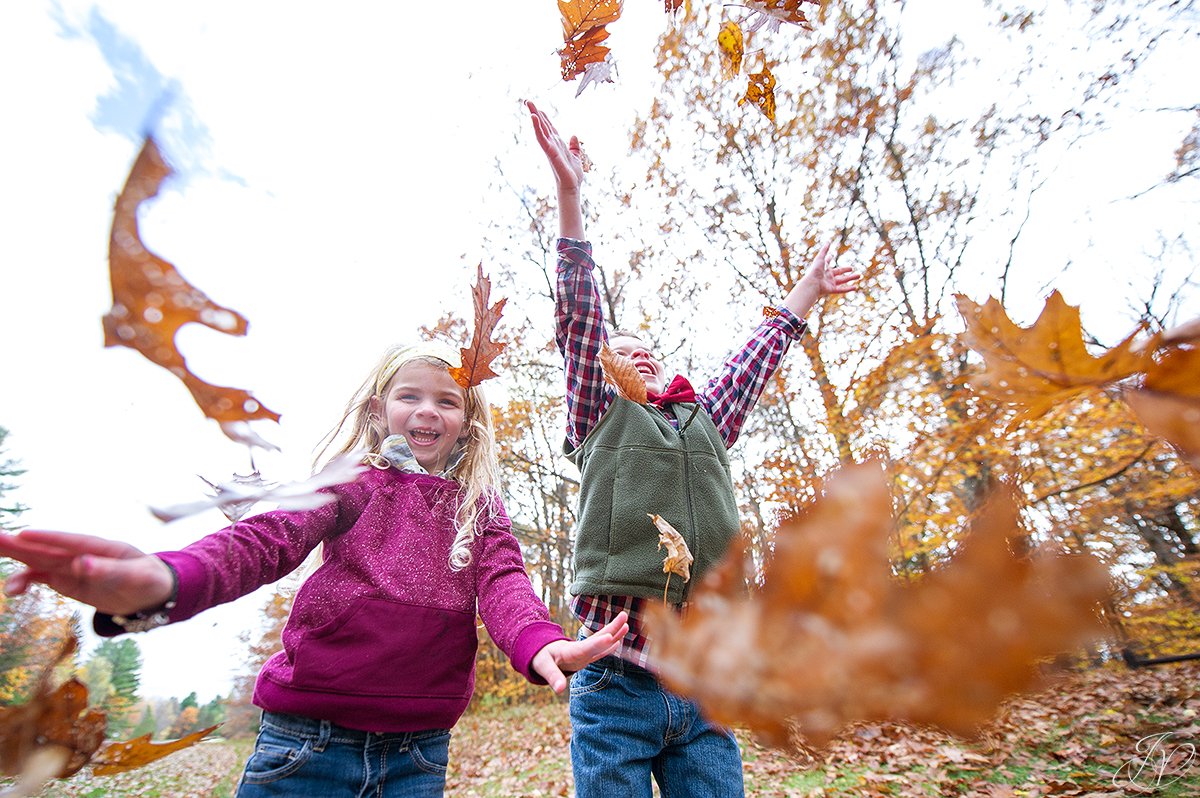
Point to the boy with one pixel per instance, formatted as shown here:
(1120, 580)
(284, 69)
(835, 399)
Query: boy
(666, 457)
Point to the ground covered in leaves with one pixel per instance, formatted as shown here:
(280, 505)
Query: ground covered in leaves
(1079, 738)
(1111, 732)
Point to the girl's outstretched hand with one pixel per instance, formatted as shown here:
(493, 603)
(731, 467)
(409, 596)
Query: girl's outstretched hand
(571, 655)
(113, 577)
(566, 158)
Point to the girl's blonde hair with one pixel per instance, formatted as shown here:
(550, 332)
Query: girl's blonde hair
(477, 474)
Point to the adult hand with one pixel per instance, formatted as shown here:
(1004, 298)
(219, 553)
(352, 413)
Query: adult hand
(111, 576)
(571, 655)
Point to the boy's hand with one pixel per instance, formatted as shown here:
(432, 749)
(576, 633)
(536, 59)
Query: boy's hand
(570, 656)
(111, 576)
(566, 158)
(830, 279)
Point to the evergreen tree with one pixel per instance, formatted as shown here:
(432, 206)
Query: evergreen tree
(126, 661)
(8, 470)
(147, 725)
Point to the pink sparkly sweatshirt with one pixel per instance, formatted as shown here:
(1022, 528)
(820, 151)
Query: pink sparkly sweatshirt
(382, 636)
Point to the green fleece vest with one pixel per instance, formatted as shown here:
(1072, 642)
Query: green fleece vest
(635, 463)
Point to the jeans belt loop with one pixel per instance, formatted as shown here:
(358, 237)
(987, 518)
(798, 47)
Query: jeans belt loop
(323, 736)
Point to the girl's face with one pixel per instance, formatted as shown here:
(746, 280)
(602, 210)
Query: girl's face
(647, 365)
(425, 405)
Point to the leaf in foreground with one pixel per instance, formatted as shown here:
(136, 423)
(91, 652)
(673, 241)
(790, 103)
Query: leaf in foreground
(151, 301)
(131, 754)
(584, 29)
(621, 373)
(478, 355)
(1040, 366)
(831, 638)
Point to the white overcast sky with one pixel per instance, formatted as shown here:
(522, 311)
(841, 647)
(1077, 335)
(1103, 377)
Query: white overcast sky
(334, 162)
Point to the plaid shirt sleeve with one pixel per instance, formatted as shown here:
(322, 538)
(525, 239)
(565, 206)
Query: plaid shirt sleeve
(732, 393)
(579, 332)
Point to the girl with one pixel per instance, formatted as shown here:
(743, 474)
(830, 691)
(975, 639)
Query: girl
(378, 653)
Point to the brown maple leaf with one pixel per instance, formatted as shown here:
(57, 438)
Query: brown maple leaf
(831, 638)
(731, 46)
(1040, 366)
(584, 29)
(760, 90)
(1168, 402)
(477, 357)
(622, 374)
(151, 301)
(679, 558)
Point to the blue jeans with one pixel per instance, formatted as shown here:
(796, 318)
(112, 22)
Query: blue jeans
(306, 757)
(625, 728)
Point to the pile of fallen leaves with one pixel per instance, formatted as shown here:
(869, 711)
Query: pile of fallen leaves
(1099, 733)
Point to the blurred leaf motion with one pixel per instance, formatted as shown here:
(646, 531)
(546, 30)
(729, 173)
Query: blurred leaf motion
(832, 638)
(732, 47)
(774, 12)
(151, 301)
(55, 734)
(478, 355)
(236, 497)
(621, 373)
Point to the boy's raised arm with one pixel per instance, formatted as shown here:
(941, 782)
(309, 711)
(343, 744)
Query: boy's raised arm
(566, 160)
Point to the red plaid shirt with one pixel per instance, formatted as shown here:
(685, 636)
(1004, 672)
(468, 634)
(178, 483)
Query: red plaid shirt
(727, 398)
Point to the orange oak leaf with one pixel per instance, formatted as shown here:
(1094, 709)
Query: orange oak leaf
(831, 638)
(679, 558)
(119, 757)
(151, 301)
(731, 46)
(1040, 366)
(584, 31)
(760, 90)
(774, 12)
(477, 357)
(622, 374)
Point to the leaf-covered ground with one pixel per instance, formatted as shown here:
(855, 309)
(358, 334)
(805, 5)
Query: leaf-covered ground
(1072, 740)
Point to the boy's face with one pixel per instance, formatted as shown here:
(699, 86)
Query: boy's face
(425, 405)
(647, 365)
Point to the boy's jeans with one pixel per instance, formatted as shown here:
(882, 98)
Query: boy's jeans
(625, 726)
(305, 757)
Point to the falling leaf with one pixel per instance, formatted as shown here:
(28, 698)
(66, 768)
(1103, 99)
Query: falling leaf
(774, 12)
(672, 6)
(235, 498)
(151, 300)
(678, 559)
(761, 91)
(477, 357)
(56, 717)
(130, 754)
(831, 638)
(1035, 368)
(731, 46)
(622, 374)
(584, 31)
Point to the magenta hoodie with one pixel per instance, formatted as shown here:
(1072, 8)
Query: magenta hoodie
(382, 636)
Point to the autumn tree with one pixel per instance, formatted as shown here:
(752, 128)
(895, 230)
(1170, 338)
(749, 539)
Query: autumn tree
(241, 716)
(928, 167)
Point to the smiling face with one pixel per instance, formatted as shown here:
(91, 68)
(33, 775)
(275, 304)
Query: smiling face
(423, 403)
(647, 365)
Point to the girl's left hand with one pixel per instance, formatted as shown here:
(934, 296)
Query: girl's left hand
(571, 655)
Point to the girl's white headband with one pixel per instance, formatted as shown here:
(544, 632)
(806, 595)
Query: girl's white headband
(437, 351)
